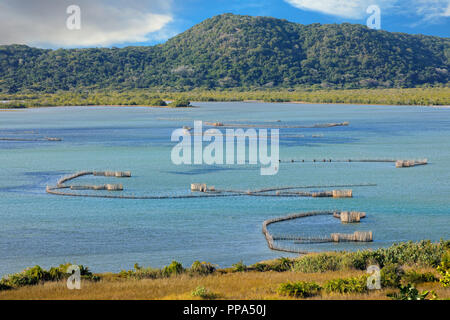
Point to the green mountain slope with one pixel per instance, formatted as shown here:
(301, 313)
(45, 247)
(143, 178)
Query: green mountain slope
(238, 51)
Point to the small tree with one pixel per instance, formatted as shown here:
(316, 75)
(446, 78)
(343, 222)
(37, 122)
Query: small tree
(181, 103)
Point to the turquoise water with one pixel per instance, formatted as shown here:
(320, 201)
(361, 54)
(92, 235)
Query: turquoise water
(113, 234)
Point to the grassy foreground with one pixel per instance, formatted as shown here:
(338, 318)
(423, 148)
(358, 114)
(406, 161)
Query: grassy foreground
(409, 271)
(250, 285)
(413, 96)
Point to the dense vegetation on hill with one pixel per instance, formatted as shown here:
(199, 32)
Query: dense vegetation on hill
(230, 51)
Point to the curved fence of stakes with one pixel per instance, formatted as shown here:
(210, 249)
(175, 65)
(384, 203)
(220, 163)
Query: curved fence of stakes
(198, 190)
(344, 216)
(204, 191)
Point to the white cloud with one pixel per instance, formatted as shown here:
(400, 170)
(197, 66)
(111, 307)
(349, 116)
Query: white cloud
(356, 9)
(432, 10)
(103, 22)
(447, 11)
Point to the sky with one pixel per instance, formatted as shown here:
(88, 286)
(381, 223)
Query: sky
(118, 23)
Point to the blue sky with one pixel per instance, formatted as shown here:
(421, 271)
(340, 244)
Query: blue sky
(106, 23)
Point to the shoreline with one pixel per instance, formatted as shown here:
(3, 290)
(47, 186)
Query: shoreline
(227, 101)
(88, 106)
(426, 97)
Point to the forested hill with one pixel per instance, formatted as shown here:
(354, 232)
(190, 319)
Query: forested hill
(229, 51)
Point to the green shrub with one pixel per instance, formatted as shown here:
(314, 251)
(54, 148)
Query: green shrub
(36, 274)
(261, 267)
(360, 260)
(126, 274)
(409, 292)
(414, 277)
(423, 253)
(91, 278)
(444, 270)
(203, 293)
(282, 264)
(140, 273)
(391, 275)
(299, 289)
(180, 103)
(61, 272)
(239, 267)
(56, 274)
(148, 273)
(318, 263)
(173, 269)
(202, 268)
(12, 105)
(84, 271)
(19, 280)
(445, 244)
(349, 285)
(4, 285)
(30, 276)
(158, 102)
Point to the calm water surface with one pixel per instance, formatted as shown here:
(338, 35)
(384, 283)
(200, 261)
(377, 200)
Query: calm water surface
(111, 234)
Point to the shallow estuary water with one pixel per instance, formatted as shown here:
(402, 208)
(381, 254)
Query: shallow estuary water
(113, 234)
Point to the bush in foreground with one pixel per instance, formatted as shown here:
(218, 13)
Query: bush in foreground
(409, 292)
(444, 270)
(261, 267)
(415, 277)
(349, 285)
(174, 268)
(422, 254)
(391, 275)
(141, 273)
(239, 267)
(202, 268)
(36, 275)
(4, 286)
(301, 289)
(279, 265)
(319, 263)
(204, 293)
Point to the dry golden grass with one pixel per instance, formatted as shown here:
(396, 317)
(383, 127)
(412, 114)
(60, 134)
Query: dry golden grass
(247, 286)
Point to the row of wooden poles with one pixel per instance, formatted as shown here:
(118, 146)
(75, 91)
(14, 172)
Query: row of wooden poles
(264, 125)
(30, 139)
(398, 163)
(62, 184)
(283, 191)
(344, 216)
(117, 174)
(203, 188)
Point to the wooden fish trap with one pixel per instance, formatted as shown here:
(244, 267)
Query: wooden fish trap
(202, 187)
(117, 174)
(410, 163)
(349, 217)
(357, 236)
